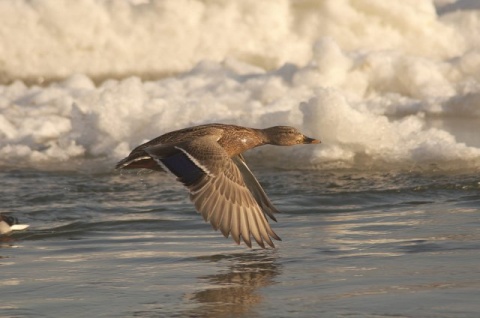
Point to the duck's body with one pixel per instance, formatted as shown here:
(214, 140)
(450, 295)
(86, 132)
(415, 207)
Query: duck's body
(207, 160)
(233, 139)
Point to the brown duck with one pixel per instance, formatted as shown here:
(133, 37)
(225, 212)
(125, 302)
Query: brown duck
(208, 160)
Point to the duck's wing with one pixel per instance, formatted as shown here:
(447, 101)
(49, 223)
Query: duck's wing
(255, 188)
(217, 188)
(138, 159)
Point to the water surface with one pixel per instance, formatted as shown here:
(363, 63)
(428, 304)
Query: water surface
(354, 243)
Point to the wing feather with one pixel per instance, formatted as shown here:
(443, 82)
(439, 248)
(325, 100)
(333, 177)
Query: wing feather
(255, 188)
(254, 229)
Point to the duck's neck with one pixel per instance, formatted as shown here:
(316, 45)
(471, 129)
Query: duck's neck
(239, 142)
(261, 136)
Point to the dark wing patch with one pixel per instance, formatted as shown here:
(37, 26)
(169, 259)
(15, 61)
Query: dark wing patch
(182, 166)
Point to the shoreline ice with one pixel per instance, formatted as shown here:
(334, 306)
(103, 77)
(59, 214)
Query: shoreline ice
(409, 101)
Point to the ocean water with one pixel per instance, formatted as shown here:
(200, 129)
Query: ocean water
(381, 219)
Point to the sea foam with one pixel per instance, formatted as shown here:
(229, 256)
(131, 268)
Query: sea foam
(382, 86)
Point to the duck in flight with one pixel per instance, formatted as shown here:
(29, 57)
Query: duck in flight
(208, 160)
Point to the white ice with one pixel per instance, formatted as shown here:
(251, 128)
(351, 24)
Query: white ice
(382, 83)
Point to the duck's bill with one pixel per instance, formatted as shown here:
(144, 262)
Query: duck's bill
(308, 140)
(19, 227)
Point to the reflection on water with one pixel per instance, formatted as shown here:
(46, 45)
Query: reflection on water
(5, 241)
(371, 232)
(235, 291)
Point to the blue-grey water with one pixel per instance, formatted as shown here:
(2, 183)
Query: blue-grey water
(355, 244)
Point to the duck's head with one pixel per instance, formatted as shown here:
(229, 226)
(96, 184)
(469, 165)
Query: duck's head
(286, 136)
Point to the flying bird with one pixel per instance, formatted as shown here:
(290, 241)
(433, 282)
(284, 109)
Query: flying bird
(208, 160)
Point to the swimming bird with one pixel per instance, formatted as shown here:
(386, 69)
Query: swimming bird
(9, 224)
(208, 160)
